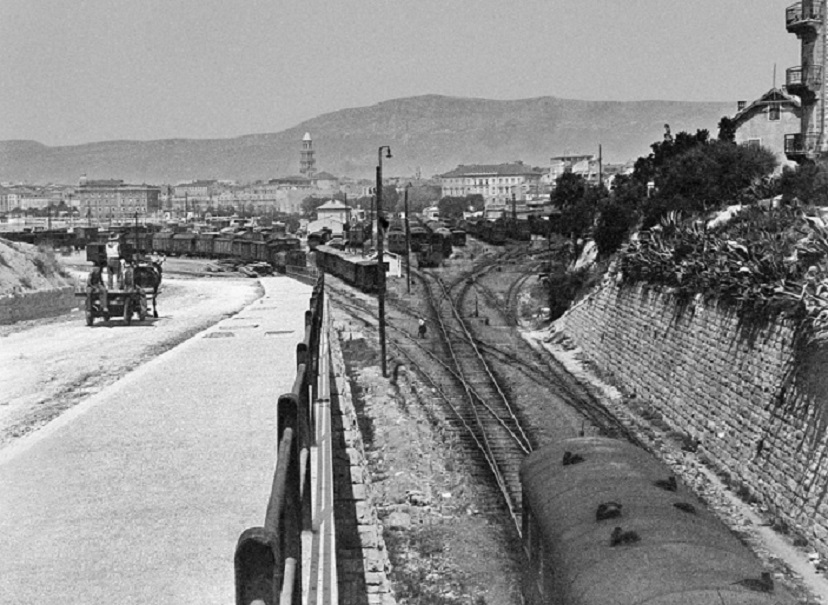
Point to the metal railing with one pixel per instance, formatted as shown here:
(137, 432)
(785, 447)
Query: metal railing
(810, 77)
(268, 559)
(799, 144)
(802, 12)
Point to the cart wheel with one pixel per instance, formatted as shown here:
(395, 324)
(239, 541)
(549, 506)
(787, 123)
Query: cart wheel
(127, 312)
(90, 317)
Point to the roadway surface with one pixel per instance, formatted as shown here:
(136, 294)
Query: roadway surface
(139, 493)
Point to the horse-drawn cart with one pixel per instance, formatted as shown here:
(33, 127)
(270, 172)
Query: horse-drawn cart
(120, 303)
(137, 285)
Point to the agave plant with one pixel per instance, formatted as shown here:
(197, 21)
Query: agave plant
(756, 263)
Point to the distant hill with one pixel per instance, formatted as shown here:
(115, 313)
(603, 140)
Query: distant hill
(434, 133)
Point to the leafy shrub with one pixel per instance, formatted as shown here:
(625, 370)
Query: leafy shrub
(762, 263)
(612, 226)
(563, 288)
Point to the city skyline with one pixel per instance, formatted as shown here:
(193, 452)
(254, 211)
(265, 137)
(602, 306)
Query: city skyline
(101, 70)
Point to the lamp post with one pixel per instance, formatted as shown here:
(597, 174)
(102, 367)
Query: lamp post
(380, 262)
(407, 243)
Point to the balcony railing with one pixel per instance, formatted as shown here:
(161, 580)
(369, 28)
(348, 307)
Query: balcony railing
(808, 77)
(798, 144)
(797, 14)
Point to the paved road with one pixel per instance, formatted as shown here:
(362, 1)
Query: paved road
(139, 494)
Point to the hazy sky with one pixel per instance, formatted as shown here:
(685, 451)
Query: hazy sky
(90, 70)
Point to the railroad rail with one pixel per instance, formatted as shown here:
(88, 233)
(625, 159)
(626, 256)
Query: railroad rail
(491, 416)
(461, 375)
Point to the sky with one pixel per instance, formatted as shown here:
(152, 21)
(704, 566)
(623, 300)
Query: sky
(95, 70)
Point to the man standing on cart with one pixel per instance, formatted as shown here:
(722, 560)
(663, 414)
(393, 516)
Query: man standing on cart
(113, 260)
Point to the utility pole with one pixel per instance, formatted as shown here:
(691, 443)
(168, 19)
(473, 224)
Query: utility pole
(600, 166)
(380, 261)
(407, 243)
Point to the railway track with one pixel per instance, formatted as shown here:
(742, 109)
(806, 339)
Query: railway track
(486, 408)
(471, 373)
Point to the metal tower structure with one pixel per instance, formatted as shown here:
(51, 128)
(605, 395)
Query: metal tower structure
(807, 19)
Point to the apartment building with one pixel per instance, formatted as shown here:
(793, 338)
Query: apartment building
(113, 200)
(501, 185)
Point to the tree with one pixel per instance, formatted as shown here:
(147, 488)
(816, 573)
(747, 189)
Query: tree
(310, 204)
(713, 175)
(390, 199)
(614, 221)
(579, 203)
(808, 183)
(420, 197)
(569, 190)
(453, 207)
(727, 130)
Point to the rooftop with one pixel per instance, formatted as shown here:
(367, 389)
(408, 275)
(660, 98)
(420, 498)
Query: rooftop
(333, 205)
(772, 97)
(513, 169)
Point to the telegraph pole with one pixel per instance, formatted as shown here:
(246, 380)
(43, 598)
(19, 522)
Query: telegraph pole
(407, 244)
(380, 262)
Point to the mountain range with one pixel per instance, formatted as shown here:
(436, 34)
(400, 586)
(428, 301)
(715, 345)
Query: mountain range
(431, 134)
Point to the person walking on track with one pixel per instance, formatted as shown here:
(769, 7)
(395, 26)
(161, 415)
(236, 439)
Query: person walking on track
(421, 330)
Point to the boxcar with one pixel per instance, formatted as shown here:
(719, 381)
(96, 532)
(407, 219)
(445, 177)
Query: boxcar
(85, 235)
(445, 241)
(315, 239)
(223, 246)
(359, 273)
(458, 238)
(419, 236)
(357, 235)
(296, 258)
(183, 244)
(162, 242)
(396, 241)
(204, 244)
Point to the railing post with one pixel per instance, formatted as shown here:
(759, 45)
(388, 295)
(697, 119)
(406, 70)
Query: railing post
(289, 414)
(268, 559)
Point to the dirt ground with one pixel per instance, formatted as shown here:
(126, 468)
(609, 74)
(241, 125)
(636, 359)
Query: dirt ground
(50, 365)
(443, 547)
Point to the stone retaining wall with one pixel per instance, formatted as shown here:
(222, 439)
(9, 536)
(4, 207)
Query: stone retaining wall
(757, 409)
(363, 561)
(34, 305)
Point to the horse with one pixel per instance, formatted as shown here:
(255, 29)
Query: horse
(147, 276)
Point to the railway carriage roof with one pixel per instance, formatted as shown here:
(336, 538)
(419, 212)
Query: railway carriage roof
(674, 554)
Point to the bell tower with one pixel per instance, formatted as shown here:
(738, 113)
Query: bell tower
(307, 163)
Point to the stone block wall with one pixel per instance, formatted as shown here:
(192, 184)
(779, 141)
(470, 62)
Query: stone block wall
(756, 405)
(33, 305)
(362, 559)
